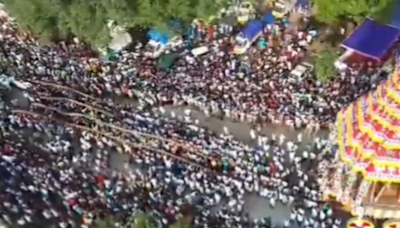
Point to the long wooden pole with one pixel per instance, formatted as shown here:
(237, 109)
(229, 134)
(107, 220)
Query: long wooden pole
(135, 145)
(195, 149)
(372, 193)
(381, 192)
(128, 131)
(78, 104)
(398, 193)
(64, 88)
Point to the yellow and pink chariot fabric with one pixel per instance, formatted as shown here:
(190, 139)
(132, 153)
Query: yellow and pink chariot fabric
(369, 133)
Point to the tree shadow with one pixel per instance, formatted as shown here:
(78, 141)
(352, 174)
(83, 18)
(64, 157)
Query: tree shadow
(331, 34)
(138, 34)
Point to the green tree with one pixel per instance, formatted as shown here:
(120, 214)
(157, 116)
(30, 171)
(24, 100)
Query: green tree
(333, 11)
(180, 224)
(324, 64)
(140, 220)
(386, 13)
(143, 221)
(87, 19)
(104, 223)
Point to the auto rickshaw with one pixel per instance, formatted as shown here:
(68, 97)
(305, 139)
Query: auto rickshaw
(246, 12)
(280, 8)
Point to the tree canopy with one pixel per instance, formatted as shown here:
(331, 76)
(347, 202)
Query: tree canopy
(140, 220)
(143, 221)
(324, 64)
(334, 10)
(87, 19)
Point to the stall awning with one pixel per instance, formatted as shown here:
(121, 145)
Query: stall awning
(372, 39)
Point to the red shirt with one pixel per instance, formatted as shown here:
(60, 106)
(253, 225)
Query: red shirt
(7, 149)
(72, 203)
(211, 33)
(100, 179)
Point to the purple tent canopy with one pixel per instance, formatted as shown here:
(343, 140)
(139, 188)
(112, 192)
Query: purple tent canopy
(372, 39)
(304, 4)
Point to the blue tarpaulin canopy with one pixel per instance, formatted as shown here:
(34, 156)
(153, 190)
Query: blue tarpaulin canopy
(251, 29)
(372, 39)
(158, 36)
(268, 18)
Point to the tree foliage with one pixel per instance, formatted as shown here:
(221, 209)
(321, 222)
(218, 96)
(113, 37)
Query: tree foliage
(87, 19)
(104, 223)
(333, 11)
(143, 221)
(180, 224)
(324, 63)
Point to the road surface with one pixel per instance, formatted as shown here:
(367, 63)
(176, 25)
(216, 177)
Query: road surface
(256, 206)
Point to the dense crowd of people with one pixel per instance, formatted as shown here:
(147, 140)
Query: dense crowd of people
(55, 162)
(255, 88)
(61, 172)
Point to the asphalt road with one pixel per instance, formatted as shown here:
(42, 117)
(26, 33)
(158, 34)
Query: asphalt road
(240, 130)
(256, 206)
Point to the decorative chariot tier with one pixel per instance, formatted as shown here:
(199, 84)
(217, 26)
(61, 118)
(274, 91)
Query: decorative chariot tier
(366, 175)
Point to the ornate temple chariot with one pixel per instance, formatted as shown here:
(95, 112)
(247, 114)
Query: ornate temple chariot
(366, 175)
